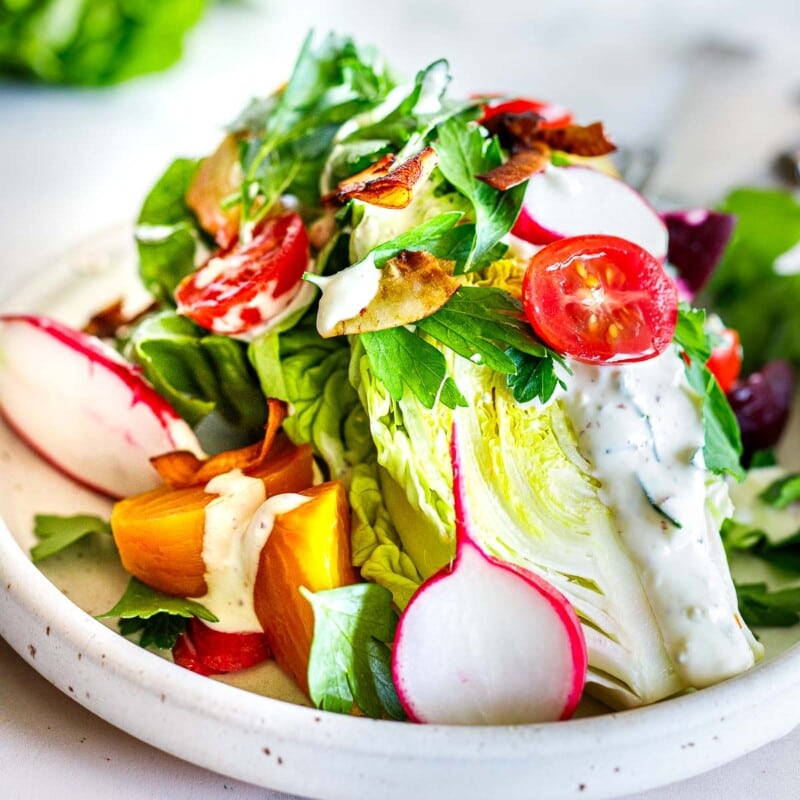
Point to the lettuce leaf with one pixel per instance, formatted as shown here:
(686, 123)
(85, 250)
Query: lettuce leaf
(199, 373)
(167, 233)
(93, 42)
(535, 502)
(311, 374)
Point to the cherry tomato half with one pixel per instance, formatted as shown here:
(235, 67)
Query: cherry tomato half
(600, 299)
(238, 289)
(725, 362)
(208, 652)
(553, 116)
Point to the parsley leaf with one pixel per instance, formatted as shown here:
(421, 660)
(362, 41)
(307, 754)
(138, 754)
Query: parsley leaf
(782, 492)
(463, 154)
(475, 319)
(160, 617)
(760, 607)
(291, 134)
(485, 325)
(690, 333)
(534, 376)
(350, 662)
(400, 358)
(722, 451)
(57, 533)
(161, 630)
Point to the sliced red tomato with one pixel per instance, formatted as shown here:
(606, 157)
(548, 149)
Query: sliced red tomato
(209, 652)
(242, 287)
(725, 362)
(553, 116)
(600, 299)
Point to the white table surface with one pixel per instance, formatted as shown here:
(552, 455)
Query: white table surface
(75, 162)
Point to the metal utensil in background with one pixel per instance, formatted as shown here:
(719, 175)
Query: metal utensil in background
(736, 111)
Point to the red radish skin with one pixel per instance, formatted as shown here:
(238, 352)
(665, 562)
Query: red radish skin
(574, 201)
(427, 682)
(85, 410)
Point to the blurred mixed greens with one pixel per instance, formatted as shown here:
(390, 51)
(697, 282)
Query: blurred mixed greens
(92, 42)
(756, 288)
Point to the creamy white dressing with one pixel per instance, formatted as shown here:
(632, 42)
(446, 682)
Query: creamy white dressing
(238, 524)
(788, 263)
(346, 294)
(640, 427)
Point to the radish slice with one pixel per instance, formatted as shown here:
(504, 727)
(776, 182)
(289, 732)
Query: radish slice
(572, 201)
(697, 240)
(82, 407)
(484, 642)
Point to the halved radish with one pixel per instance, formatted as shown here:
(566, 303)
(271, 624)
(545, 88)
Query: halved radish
(83, 407)
(486, 642)
(572, 201)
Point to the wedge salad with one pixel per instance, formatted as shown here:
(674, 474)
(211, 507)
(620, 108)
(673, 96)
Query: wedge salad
(423, 410)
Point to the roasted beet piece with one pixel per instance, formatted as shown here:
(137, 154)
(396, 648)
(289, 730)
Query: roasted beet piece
(762, 402)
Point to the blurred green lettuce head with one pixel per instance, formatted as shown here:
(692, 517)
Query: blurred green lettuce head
(92, 42)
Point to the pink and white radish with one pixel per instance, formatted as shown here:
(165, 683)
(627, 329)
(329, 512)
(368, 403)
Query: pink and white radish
(573, 201)
(697, 240)
(487, 642)
(82, 407)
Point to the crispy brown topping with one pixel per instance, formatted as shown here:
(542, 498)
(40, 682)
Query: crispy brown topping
(181, 468)
(384, 184)
(579, 140)
(108, 321)
(519, 167)
(413, 285)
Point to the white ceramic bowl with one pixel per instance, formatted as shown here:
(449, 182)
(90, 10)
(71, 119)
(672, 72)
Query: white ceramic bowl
(285, 746)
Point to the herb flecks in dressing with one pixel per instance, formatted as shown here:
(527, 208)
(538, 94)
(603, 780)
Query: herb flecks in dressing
(640, 427)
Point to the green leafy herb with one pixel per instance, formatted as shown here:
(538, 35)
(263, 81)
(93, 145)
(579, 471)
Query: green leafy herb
(166, 232)
(464, 154)
(690, 333)
(440, 236)
(57, 533)
(485, 325)
(782, 492)
(160, 617)
(656, 506)
(199, 373)
(480, 323)
(534, 377)
(290, 136)
(722, 451)
(161, 630)
(761, 607)
(784, 554)
(399, 358)
(748, 288)
(92, 42)
(350, 662)
(763, 458)
(723, 441)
